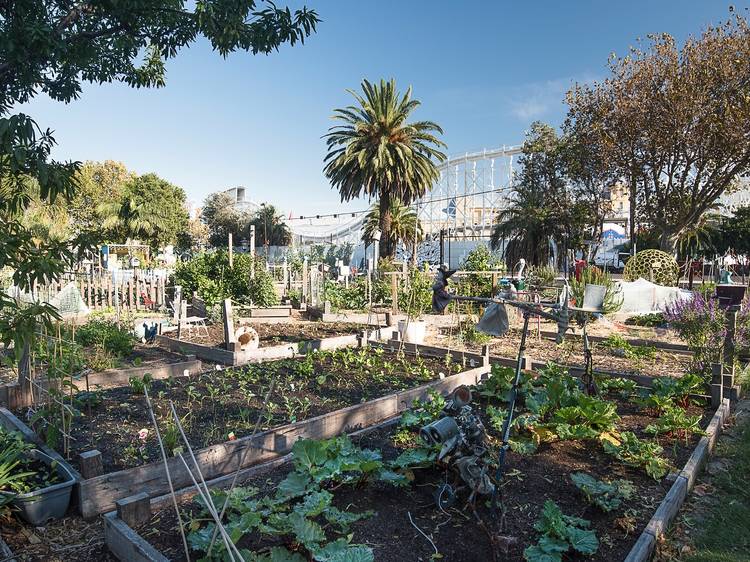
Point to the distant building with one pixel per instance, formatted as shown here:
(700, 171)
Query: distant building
(241, 203)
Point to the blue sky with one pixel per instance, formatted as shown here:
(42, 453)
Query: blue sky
(483, 71)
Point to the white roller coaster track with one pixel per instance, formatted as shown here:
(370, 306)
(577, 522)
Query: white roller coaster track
(471, 188)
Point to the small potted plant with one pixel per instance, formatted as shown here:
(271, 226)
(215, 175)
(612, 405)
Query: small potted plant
(414, 301)
(31, 481)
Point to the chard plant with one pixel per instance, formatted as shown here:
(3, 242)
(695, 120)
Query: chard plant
(301, 512)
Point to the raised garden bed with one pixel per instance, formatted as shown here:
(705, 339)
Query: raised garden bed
(214, 349)
(221, 402)
(530, 481)
(608, 354)
(276, 333)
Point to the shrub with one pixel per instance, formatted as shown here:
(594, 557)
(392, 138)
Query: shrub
(700, 322)
(209, 274)
(479, 259)
(105, 335)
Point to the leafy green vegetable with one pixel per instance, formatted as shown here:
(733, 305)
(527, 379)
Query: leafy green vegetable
(560, 534)
(637, 453)
(608, 496)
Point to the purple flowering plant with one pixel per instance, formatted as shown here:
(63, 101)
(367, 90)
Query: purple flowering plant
(701, 323)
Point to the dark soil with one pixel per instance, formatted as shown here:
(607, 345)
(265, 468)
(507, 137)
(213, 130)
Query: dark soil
(276, 333)
(570, 352)
(529, 481)
(214, 404)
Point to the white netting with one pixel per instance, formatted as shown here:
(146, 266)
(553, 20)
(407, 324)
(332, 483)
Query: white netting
(644, 297)
(69, 301)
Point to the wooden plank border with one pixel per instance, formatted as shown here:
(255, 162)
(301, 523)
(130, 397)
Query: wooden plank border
(126, 544)
(13, 398)
(683, 484)
(272, 353)
(98, 494)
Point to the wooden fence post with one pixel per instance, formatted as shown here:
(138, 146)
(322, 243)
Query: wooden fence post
(394, 293)
(229, 341)
(717, 394)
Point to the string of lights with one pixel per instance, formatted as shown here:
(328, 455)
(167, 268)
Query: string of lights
(431, 201)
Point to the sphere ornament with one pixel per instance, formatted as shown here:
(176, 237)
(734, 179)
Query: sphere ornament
(653, 265)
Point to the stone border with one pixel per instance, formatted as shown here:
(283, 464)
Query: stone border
(683, 484)
(272, 353)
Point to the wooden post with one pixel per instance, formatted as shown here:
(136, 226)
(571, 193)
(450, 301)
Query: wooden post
(394, 293)
(252, 250)
(134, 510)
(495, 279)
(389, 318)
(130, 294)
(152, 290)
(90, 464)
(176, 302)
(729, 351)
(485, 355)
(717, 394)
(231, 251)
(229, 340)
(305, 277)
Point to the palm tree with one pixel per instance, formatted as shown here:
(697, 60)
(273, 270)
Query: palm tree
(405, 226)
(270, 229)
(376, 152)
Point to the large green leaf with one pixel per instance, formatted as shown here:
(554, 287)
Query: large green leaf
(342, 551)
(314, 503)
(309, 454)
(295, 484)
(342, 519)
(583, 540)
(307, 532)
(535, 554)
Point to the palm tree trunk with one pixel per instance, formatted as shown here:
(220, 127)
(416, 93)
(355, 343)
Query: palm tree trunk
(386, 248)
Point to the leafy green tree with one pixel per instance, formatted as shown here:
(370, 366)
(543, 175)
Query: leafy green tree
(405, 226)
(221, 216)
(674, 120)
(97, 182)
(52, 47)
(735, 232)
(377, 152)
(151, 209)
(270, 228)
(536, 214)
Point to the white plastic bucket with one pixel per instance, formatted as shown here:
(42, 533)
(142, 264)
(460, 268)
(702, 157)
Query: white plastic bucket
(412, 331)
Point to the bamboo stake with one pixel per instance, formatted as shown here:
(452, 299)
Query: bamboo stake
(169, 476)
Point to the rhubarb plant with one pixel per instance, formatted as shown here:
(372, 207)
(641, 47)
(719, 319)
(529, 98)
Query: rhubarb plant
(560, 534)
(637, 453)
(607, 496)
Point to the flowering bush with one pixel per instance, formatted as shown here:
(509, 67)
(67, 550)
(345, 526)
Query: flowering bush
(701, 323)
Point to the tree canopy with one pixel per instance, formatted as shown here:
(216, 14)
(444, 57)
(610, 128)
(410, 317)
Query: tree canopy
(149, 209)
(673, 121)
(53, 47)
(377, 152)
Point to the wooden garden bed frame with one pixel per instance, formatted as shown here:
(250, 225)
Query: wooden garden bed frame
(128, 545)
(272, 353)
(12, 397)
(97, 493)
